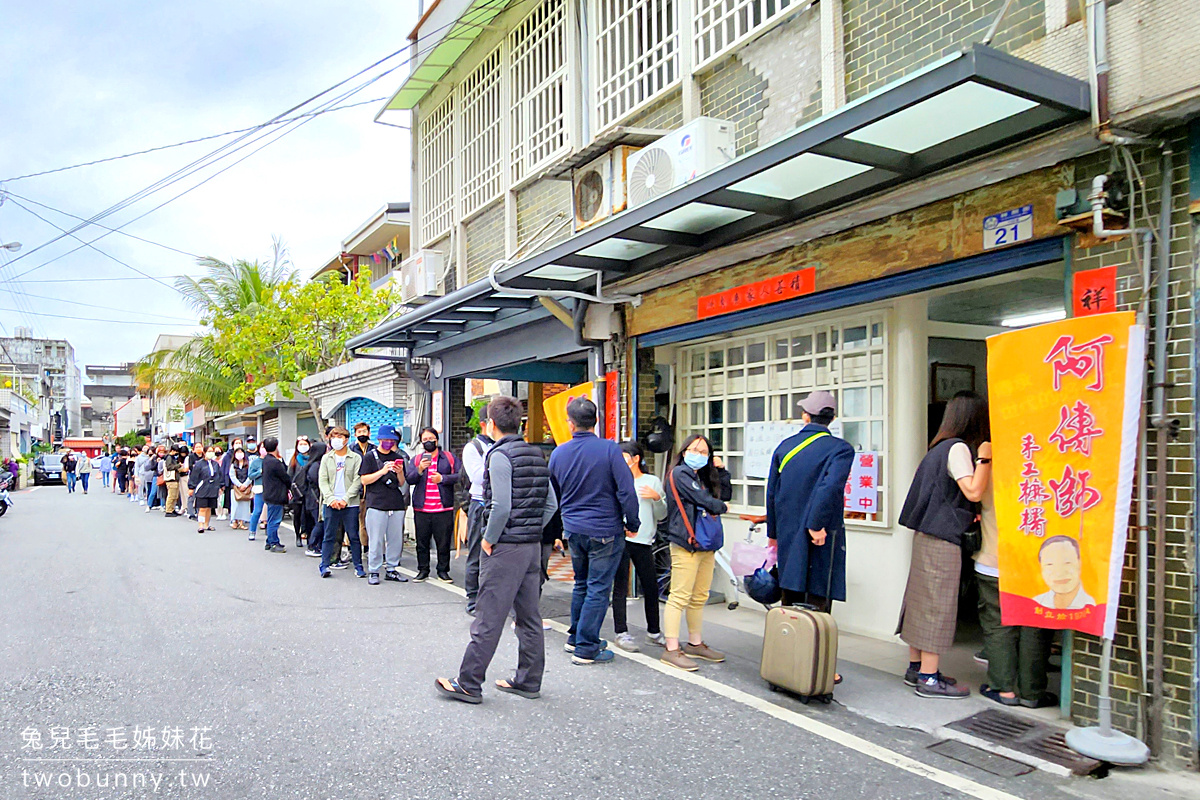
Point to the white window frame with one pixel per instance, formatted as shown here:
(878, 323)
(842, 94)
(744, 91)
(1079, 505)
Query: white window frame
(622, 86)
(721, 26)
(481, 117)
(712, 380)
(541, 92)
(436, 159)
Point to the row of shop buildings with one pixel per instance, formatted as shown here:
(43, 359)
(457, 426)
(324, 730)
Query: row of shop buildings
(874, 189)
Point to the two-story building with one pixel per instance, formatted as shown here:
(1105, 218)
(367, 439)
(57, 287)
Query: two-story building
(713, 208)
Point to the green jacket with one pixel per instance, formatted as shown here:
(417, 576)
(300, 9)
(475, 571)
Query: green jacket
(327, 476)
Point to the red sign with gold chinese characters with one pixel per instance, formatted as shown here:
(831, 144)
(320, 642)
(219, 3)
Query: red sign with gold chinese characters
(1064, 399)
(759, 293)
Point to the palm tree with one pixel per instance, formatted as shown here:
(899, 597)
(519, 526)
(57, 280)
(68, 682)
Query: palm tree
(194, 371)
(229, 288)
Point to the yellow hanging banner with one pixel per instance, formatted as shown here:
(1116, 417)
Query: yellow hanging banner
(555, 409)
(1065, 399)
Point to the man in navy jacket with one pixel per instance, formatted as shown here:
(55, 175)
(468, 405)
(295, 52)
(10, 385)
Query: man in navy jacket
(805, 502)
(598, 504)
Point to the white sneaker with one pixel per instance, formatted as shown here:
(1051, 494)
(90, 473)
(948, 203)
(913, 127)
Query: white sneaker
(626, 642)
(546, 625)
(656, 638)
(141, 502)
(147, 509)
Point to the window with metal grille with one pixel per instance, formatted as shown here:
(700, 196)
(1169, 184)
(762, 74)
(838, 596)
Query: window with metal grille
(635, 56)
(732, 383)
(721, 25)
(481, 118)
(436, 162)
(539, 88)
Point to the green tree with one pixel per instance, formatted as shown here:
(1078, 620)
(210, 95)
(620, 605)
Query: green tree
(303, 330)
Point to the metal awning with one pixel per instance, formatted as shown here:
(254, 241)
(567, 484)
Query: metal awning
(961, 107)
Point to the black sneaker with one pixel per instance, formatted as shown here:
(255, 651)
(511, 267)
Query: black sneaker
(421, 577)
(392, 575)
(267, 546)
(937, 688)
(911, 675)
(278, 549)
(444, 577)
(340, 565)
(326, 573)
(373, 579)
(299, 542)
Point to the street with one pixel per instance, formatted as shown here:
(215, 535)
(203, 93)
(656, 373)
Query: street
(284, 685)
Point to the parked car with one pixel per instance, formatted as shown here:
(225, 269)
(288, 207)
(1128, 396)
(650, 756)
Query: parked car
(47, 468)
(96, 463)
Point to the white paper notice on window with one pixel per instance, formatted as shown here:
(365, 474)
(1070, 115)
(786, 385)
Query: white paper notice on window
(761, 440)
(862, 490)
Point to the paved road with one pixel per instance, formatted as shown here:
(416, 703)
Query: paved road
(324, 689)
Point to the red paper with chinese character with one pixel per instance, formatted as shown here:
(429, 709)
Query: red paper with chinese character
(1065, 399)
(1095, 291)
(760, 293)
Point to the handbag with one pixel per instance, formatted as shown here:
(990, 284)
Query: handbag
(160, 480)
(708, 533)
(972, 538)
(243, 493)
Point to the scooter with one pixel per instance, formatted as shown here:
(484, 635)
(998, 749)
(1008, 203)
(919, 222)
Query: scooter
(5, 501)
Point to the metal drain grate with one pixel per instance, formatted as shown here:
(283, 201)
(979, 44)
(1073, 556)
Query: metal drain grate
(1026, 736)
(980, 759)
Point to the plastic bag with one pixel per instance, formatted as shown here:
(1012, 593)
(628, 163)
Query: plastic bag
(747, 557)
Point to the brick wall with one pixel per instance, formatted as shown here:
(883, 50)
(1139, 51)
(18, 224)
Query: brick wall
(666, 113)
(788, 59)
(537, 204)
(485, 241)
(888, 39)
(1178, 748)
(735, 92)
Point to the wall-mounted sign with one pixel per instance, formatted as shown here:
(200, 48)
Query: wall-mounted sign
(759, 293)
(862, 490)
(1008, 227)
(438, 409)
(1065, 399)
(1094, 291)
(612, 404)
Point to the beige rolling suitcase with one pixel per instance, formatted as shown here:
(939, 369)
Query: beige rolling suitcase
(800, 652)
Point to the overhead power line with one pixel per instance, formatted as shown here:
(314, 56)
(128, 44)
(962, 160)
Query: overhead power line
(183, 144)
(96, 319)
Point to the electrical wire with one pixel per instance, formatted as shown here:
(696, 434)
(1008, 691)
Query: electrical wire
(89, 305)
(13, 197)
(95, 319)
(215, 155)
(96, 280)
(182, 144)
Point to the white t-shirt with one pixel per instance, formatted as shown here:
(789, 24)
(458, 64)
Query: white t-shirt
(960, 465)
(339, 477)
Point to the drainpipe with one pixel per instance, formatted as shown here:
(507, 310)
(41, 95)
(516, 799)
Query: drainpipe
(1162, 428)
(596, 356)
(1099, 69)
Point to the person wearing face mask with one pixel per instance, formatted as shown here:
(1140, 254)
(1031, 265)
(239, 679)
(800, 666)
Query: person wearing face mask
(227, 493)
(301, 524)
(242, 489)
(194, 458)
(362, 446)
(276, 485)
(702, 484)
(433, 473)
(639, 550)
(473, 461)
(256, 485)
(386, 499)
(311, 490)
(599, 504)
(341, 489)
(204, 484)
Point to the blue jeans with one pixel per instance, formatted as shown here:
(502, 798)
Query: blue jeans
(595, 562)
(256, 508)
(274, 517)
(104, 477)
(338, 520)
(70, 482)
(83, 478)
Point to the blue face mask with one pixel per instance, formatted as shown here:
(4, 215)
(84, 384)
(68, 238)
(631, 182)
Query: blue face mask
(695, 460)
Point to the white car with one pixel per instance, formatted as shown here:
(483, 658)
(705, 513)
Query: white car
(97, 461)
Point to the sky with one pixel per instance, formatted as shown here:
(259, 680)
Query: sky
(81, 81)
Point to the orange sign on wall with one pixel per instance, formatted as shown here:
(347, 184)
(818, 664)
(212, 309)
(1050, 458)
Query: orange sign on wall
(555, 409)
(759, 293)
(1065, 399)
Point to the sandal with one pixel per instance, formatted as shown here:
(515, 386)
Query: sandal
(507, 686)
(456, 691)
(995, 696)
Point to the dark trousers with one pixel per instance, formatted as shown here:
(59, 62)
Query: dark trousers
(509, 580)
(474, 541)
(438, 528)
(642, 558)
(595, 563)
(337, 522)
(1016, 655)
(316, 533)
(817, 602)
(120, 482)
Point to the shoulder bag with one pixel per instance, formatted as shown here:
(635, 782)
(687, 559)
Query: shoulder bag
(708, 533)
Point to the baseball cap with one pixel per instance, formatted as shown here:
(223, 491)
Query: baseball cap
(818, 401)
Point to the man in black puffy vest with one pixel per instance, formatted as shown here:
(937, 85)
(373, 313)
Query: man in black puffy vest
(518, 502)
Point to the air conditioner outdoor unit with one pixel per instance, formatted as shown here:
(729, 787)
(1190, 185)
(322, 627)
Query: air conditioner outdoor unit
(599, 188)
(419, 276)
(679, 157)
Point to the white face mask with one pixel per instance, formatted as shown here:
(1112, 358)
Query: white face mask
(337, 443)
(303, 448)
